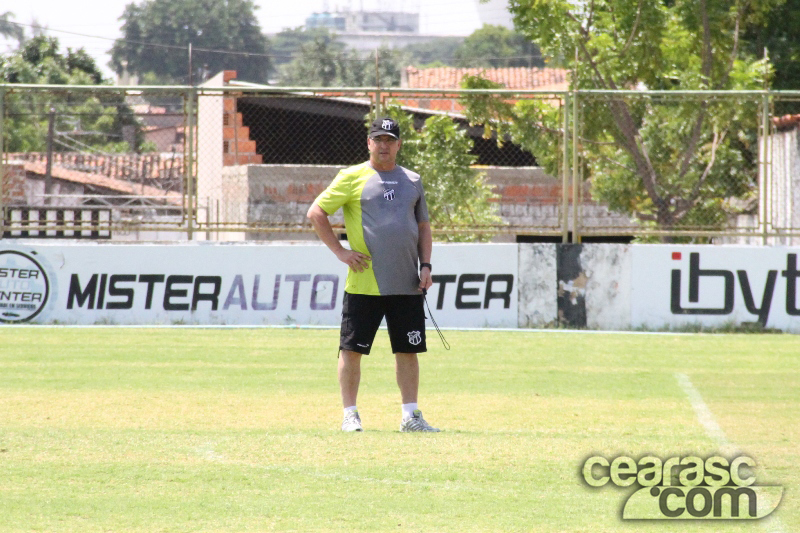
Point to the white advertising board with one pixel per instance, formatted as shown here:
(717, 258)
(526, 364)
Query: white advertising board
(677, 285)
(475, 285)
(244, 284)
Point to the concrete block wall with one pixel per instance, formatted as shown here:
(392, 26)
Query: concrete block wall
(281, 194)
(574, 286)
(537, 286)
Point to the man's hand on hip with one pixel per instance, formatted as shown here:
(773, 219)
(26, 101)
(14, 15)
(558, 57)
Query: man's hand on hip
(355, 260)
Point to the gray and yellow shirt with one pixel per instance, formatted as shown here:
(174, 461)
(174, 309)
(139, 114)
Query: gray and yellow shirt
(382, 211)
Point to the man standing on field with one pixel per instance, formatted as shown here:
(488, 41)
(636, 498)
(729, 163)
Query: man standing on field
(387, 226)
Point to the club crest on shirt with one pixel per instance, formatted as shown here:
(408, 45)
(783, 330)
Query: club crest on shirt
(414, 337)
(388, 195)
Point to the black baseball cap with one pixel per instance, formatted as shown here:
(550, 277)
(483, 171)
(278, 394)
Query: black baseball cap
(384, 126)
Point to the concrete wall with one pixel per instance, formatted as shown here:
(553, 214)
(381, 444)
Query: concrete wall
(591, 286)
(35, 190)
(281, 194)
(781, 203)
(784, 210)
(211, 183)
(537, 285)
(622, 287)
(21, 188)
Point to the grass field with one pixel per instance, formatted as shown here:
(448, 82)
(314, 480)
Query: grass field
(116, 429)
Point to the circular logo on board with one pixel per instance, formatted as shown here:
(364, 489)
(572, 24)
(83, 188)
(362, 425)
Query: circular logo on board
(24, 287)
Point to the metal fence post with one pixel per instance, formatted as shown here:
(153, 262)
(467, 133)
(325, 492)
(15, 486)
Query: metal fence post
(576, 182)
(377, 102)
(565, 174)
(768, 169)
(763, 184)
(190, 192)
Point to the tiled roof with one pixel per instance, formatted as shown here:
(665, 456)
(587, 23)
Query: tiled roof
(786, 122)
(98, 180)
(511, 78)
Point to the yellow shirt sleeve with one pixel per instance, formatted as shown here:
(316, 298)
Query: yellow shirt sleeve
(337, 194)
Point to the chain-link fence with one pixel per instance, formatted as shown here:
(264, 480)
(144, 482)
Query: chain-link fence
(93, 162)
(671, 163)
(244, 162)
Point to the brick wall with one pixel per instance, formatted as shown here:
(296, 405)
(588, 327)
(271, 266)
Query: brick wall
(237, 147)
(282, 194)
(14, 184)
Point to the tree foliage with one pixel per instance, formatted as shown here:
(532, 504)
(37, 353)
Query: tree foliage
(497, 46)
(10, 29)
(437, 52)
(456, 194)
(285, 46)
(220, 25)
(326, 62)
(321, 60)
(778, 33)
(95, 120)
(488, 46)
(669, 161)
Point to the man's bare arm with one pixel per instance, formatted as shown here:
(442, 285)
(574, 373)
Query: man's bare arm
(319, 219)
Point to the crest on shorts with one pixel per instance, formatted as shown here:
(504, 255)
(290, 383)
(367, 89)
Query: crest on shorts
(388, 195)
(414, 337)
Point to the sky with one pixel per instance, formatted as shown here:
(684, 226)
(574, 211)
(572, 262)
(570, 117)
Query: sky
(99, 18)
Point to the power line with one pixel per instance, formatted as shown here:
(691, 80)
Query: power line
(338, 57)
(143, 43)
(184, 48)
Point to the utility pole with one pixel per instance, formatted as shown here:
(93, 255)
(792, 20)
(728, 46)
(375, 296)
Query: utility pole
(377, 70)
(191, 78)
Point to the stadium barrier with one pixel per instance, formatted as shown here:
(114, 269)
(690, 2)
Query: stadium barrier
(592, 286)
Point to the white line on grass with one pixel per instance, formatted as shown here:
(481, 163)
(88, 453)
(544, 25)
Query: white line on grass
(704, 415)
(773, 524)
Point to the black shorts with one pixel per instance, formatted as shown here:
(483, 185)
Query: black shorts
(362, 315)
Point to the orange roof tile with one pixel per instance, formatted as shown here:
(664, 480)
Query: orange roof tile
(511, 77)
(786, 122)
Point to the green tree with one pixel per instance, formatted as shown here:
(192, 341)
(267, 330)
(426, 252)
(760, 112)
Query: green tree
(497, 46)
(671, 162)
(326, 62)
(438, 52)
(10, 29)
(86, 121)
(219, 25)
(458, 196)
(319, 63)
(778, 32)
(286, 45)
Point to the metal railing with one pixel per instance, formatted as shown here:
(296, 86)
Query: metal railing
(243, 162)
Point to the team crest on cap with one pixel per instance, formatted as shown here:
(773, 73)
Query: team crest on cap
(414, 337)
(387, 124)
(388, 195)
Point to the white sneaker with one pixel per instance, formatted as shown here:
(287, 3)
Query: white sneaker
(351, 422)
(415, 422)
